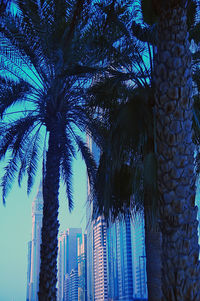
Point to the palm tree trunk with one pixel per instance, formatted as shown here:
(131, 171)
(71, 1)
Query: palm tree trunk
(50, 224)
(153, 243)
(176, 178)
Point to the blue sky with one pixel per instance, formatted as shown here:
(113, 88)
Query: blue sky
(15, 229)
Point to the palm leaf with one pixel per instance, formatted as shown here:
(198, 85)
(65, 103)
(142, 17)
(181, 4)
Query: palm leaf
(33, 160)
(11, 93)
(9, 175)
(66, 170)
(194, 33)
(88, 158)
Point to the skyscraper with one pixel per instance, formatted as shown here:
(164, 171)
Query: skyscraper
(119, 252)
(100, 260)
(34, 248)
(73, 296)
(28, 270)
(82, 268)
(139, 258)
(112, 263)
(124, 256)
(90, 228)
(97, 282)
(67, 256)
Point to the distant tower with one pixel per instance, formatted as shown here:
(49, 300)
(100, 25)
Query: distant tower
(28, 270)
(124, 256)
(67, 256)
(139, 258)
(82, 268)
(100, 260)
(119, 250)
(91, 229)
(34, 247)
(73, 286)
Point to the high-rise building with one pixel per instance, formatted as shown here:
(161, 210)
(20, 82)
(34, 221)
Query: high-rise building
(100, 260)
(112, 263)
(73, 296)
(90, 229)
(28, 270)
(124, 256)
(67, 257)
(82, 268)
(66, 293)
(139, 258)
(34, 248)
(119, 250)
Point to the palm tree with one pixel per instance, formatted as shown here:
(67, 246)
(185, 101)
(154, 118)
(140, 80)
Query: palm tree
(126, 174)
(112, 208)
(128, 138)
(44, 69)
(175, 154)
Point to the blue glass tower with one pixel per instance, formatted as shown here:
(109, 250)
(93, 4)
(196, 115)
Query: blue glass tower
(119, 252)
(67, 257)
(82, 268)
(90, 229)
(139, 258)
(113, 286)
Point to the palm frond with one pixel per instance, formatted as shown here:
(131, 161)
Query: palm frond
(194, 33)
(29, 52)
(11, 93)
(191, 13)
(75, 18)
(29, 10)
(14, 134)
(24, 159)
(33, 160)
(145, 33)
(88, 158)
(66, 173)
(9, 175)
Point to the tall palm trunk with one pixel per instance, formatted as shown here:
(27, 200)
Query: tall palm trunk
(50, 225)
(153, 236)
(176, 179)
(153, 239)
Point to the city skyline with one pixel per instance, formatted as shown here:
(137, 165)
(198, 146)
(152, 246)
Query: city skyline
(116, 269)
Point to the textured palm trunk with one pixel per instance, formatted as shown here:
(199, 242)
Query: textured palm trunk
(50, 224)
(153, 243)
(176, 178)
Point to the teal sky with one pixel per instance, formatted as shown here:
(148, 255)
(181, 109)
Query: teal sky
(15, 229)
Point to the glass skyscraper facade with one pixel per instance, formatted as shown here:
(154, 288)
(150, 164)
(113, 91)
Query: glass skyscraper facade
(124, 256)
(90, 229)
(82, 268)
(119, 252)
(34, 248)
(112, 263)
(67, 257)
(100, 260)
(139, 258)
